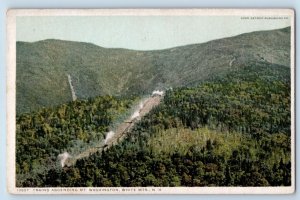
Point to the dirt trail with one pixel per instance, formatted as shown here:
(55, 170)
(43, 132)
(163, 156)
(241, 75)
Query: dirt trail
(231, 61)
(72, 88)
(120, 132)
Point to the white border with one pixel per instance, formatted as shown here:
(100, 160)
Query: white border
(11, 99)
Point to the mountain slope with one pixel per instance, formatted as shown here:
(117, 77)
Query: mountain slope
(43, 67)
(232, 131)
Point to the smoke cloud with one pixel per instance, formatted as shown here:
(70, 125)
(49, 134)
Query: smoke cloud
(158, 92)
(135, 114)
(137, 111)
(63, 158)
(109, 135)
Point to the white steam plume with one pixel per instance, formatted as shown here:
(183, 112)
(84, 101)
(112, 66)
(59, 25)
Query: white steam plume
(135, 114)
(109, 135)
(158, 92)
(63, 158)
(137, 111)
(141, 105)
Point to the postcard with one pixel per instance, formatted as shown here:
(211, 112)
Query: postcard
(150, 101)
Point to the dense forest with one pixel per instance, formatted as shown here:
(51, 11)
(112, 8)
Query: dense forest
(230, 130)
(71, 127)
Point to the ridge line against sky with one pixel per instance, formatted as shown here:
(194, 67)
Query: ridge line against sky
(140, 33)
(150, 49)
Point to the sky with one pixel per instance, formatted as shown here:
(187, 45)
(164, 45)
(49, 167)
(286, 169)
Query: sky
(140, 32)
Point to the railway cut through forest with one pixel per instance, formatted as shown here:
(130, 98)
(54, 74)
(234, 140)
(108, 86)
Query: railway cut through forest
(114, 137)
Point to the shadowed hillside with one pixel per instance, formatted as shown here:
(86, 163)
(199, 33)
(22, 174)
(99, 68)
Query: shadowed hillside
(43, 67)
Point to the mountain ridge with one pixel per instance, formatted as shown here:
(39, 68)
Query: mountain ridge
(168, 48)
(42, 66)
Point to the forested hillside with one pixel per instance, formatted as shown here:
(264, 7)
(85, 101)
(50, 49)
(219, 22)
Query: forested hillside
(232, 129)
(41, 136)
(43, 67)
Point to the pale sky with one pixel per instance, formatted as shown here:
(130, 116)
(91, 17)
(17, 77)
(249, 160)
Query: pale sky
(140, 32)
